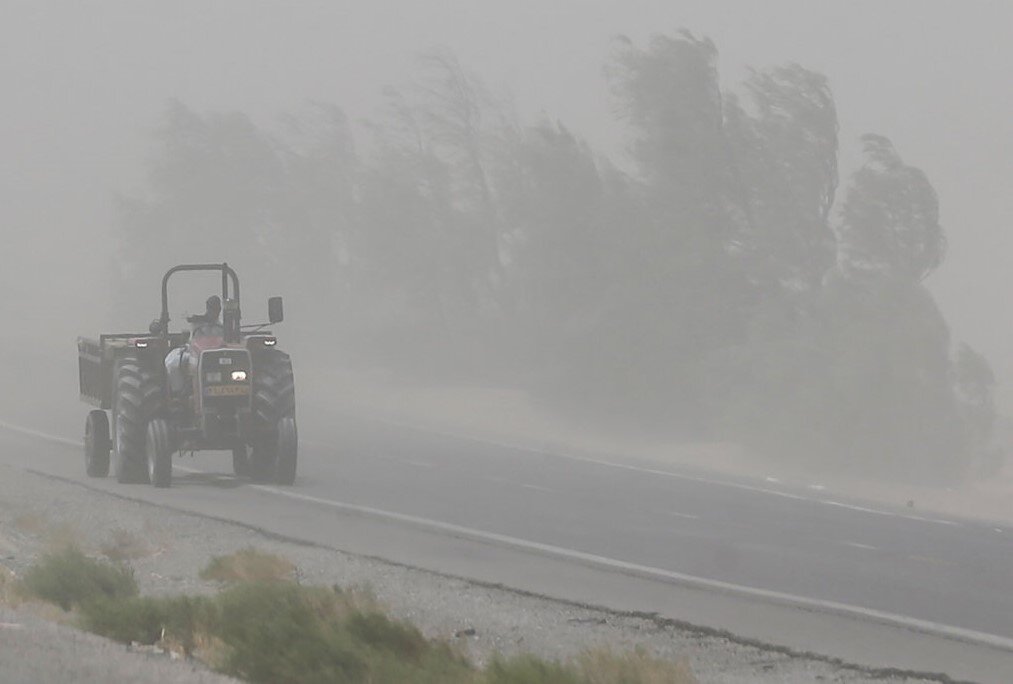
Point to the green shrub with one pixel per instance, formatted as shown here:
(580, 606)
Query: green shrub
(248, 565)
(175, 621)
(272, 633)
(378, 631)
(69, 578)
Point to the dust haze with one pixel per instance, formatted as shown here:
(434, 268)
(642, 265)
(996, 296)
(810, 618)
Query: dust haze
(740, 235)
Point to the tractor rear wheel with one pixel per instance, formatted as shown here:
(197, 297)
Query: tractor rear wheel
(273, 387)
(139, 397)
(96, 444)
(158, 448)
(273, 458)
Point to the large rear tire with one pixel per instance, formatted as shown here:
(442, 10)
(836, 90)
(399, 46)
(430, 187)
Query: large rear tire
(158, 448)
(97, 444)
(139, 397)
(273, 387)
(274, 454)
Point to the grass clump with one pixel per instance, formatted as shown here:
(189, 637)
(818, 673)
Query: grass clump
(69, 578)
(179, 623)
(248, 565)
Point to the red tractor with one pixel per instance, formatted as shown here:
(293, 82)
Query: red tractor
(234, 391)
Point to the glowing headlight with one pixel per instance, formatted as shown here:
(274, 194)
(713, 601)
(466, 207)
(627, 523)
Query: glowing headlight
(238, 376)
(269, 342)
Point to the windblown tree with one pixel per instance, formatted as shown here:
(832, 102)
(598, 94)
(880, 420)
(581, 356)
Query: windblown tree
(220, 188)
(785, 149)
(554, 202)
(974, 381)
(890, 221)
(886, 344)
(685, 294)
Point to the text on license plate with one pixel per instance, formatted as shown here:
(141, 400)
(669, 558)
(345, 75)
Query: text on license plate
(227, 390)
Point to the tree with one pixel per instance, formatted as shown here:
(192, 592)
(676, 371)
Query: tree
(890, 217)
(214, 192)
(785, 151)
(685, 294)
(974, 383)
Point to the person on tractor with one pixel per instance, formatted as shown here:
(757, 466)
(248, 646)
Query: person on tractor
(205, 325)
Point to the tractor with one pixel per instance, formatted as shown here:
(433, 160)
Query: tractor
(238, 394)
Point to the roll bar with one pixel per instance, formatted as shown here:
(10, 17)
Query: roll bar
(227, 275)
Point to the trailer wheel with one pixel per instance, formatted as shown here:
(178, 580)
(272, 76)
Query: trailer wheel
(139, 397)
(96, 444)
(158, 447)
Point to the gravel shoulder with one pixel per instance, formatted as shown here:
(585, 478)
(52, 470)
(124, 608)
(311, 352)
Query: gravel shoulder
(167, 549)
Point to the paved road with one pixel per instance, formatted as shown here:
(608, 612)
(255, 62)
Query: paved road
(946, 571)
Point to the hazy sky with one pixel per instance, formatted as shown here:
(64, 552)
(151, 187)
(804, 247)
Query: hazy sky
(82, 85)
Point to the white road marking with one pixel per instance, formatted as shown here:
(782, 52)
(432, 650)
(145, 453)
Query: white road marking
(817, 487)
(512, 483)
(613, 564)
(937, 521)
(860, 546)
(839, 504)
(771, 479)
(677, 514)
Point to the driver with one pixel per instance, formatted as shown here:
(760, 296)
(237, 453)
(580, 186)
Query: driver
(207, 323)
(204, 325)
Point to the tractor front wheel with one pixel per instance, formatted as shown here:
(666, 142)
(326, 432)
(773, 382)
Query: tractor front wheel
(96, 444)
(288, 451)
(158, 446)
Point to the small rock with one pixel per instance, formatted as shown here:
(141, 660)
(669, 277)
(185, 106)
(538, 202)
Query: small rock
(469, 632)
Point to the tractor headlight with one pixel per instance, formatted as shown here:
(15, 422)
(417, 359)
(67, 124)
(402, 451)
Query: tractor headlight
(213, 377)
(239, 376)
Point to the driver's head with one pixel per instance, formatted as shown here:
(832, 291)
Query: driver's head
(214, 307)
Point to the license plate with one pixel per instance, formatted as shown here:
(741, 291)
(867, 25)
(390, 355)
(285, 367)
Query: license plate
(227, 390)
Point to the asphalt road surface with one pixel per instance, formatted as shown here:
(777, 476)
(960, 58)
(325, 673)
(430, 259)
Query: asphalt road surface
(605, 531)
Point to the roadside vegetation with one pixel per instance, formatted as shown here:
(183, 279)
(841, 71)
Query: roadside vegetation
(264, 627)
